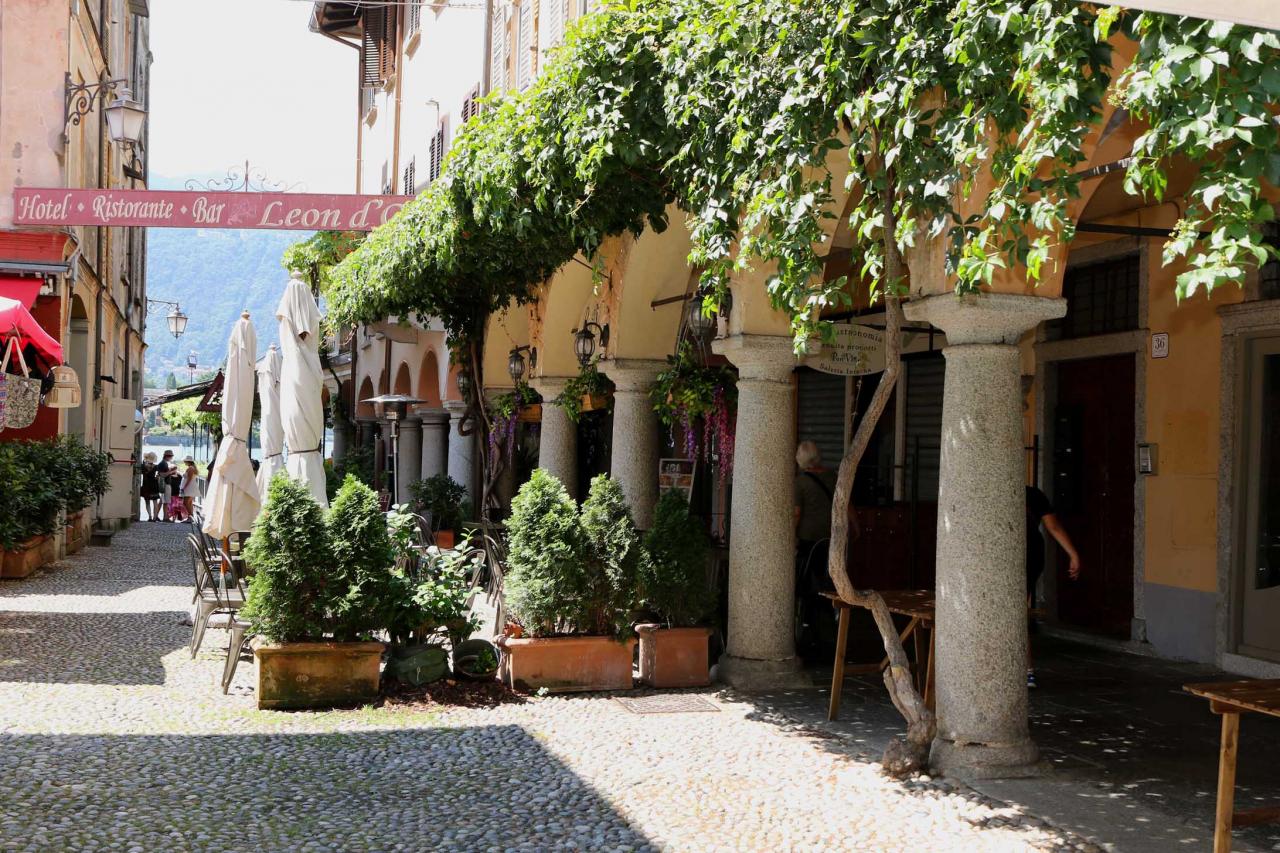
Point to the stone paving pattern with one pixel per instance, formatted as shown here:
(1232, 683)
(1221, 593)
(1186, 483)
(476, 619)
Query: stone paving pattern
(112, 738)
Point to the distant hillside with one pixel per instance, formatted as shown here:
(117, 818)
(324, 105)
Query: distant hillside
(214, 274)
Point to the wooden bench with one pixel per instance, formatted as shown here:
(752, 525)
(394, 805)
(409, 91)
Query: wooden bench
(917, 605)
(1231, 699)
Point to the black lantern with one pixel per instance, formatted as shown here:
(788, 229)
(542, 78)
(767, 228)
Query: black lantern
(584, 341)
(695, 319)
(515, 365)
(464, 384)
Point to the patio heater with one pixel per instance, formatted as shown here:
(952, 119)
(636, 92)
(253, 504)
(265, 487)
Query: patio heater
(392, 408)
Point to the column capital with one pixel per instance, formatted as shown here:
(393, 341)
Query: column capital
(632, 374)
(767, 357)
(455, 409)
(549, 386)
(433, 416)
(984, 318)
(410, 422)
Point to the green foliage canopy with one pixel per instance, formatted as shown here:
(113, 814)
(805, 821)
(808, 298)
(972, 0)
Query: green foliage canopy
(958, 120)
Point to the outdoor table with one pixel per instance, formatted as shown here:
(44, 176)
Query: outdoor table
(917, 606)
(1231, 699)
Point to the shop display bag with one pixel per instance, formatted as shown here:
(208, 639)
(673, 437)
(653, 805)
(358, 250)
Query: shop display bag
(22, 396)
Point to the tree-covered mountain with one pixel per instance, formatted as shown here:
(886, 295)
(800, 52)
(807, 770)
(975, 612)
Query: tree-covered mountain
(214, 274)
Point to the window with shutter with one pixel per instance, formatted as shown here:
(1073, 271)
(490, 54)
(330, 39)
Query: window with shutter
(371, 49)
(413, 21)
(436, 153)
(471, 104)
(410, 184)
(555, 21)
(387, 52)
(498, 70)
(524, 45)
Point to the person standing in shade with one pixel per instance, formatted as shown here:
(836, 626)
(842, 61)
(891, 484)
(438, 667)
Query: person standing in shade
(813, 491)
(1040, 512)
(163, 472)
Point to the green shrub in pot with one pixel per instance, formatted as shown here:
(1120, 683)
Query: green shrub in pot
(31, 473)
(673, 575)
(292, 594)
(442, 499)
(546, 571)
(365, 588)
(613, 555)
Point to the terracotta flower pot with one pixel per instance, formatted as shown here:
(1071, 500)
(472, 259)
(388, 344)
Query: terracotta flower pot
(27, 557)
(674, 657)
(317, 675)
(445, 539)
(568, 664)
(595, 402)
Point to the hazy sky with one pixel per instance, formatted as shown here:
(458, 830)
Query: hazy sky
(245, 79)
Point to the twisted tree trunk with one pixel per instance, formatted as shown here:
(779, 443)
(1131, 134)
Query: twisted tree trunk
(900, 758)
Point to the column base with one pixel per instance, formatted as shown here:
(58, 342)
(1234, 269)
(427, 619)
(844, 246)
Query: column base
(760, 675)
(983, 761)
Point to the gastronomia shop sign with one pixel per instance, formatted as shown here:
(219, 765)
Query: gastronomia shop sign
(174, 209)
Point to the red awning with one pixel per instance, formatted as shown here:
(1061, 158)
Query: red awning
(14, 317)
(23, 290)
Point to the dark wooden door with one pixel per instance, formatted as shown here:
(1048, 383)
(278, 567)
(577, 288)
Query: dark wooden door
(1093, 478)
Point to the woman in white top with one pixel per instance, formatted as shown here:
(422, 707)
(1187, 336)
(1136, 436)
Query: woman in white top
(190, 485)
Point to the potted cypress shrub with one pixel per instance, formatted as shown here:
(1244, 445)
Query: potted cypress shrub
(673, 582)
(444, 500)
(313, 604)
(29, 503)
(82, 477)
(569, 584)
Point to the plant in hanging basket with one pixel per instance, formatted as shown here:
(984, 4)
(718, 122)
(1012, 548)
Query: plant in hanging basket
(506, 410)
(589, 391)
(687, 392)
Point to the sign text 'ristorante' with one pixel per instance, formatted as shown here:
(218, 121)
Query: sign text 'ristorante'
(165, 209)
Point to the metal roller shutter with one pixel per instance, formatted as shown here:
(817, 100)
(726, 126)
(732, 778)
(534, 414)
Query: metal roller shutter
(820, 405)
(924, 425)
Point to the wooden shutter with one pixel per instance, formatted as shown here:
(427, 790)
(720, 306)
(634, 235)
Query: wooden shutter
(410, 177)
(553, 24)
(498, 72)
(387, 52)
(524, 44)
(437, 153)
(415, 18)
(471, 104)
(371, 48)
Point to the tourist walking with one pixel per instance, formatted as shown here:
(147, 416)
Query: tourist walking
(163, 473)
(150, 490)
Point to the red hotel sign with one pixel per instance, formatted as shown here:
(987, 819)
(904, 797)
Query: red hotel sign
(164, 209)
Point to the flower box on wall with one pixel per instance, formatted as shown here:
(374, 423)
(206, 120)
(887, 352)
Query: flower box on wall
(317, 675)
(530, 414)
(568, 664)
(27, 557)
(595, 402)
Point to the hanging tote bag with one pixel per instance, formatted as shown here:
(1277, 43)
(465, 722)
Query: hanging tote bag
(23, 396)
(4, 396)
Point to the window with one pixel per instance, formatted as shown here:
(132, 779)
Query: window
(498, 41)
(409, 186)
(1102, 298)
(524, 46)
(413, 19)
(1269, 274)
(377, 46)
(471, 104)
(435, 155)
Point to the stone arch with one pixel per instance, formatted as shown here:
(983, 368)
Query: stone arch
(403, 384)
(365, 410)
(384, 382)
(649, 268)
(505, 330)
(429, 379)
(562, 304)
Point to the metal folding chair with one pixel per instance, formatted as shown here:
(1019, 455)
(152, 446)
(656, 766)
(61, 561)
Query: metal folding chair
(214, 597)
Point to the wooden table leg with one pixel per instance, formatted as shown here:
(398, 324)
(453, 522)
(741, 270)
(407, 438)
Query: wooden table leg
(837, 669)
(1226, 782)
(928, 670)
(912, 624)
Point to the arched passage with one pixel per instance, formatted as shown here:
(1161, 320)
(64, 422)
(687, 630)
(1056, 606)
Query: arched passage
(363, 409)
(78, 359)
(403, 384)
(429, 379)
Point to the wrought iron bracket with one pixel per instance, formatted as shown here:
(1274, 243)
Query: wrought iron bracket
(80, 98)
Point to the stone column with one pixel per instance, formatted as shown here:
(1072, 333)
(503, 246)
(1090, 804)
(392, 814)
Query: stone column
(558, 439)
(339, 441)
(636, 448)
(435, 443)
(981, 647)
(408, 458)
(760, 651)
(462, 449)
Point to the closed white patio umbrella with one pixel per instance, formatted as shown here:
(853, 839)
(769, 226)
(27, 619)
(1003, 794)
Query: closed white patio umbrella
(301, 383)
(231, 504)
(269, 426)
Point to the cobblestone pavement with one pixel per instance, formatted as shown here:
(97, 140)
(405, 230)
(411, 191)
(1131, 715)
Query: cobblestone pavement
(112, 738)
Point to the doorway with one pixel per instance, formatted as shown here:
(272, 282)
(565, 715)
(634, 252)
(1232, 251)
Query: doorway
(1093, 491)
(1259, 630)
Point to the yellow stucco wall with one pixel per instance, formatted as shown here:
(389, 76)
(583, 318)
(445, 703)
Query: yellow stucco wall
(1183, 421)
